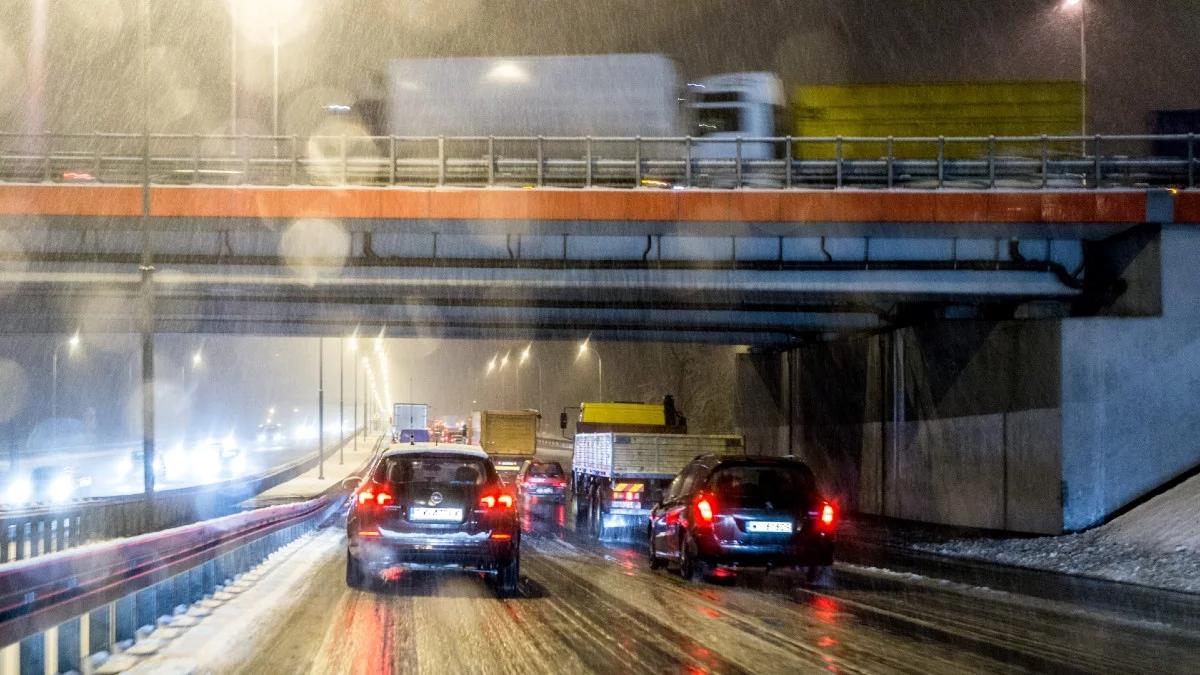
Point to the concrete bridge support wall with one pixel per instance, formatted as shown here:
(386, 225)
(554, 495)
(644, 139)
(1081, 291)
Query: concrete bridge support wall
(1131, 389)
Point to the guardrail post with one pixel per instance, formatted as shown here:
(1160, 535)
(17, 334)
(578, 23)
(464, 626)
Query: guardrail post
(1045, 161)
(295, 168)
(96, 155)
(70, 648)
(637, 161)
(101, 629)
(837, 162)
(787, 162)
(441, 160)
(588, 153)
(145, 607)
(1096, 161)
(391, 160)
(891, 162)
(195, 158)
(33, 655)
(991, 161)
(46, 151)
(687, 158)
(146, 158)
(941, 161)
(245, 159)
(541, 158)
(342, 152)
(1191, 156)
(491, 159)
(738, 157)
(124, 618)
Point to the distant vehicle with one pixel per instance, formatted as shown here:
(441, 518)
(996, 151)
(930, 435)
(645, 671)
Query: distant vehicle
(646, 418)
(58, 484)
(509, 437)
(409, 416)
(725, 514)
(432, 508)
(413, 436)
(270, 434)
(130, 468)
(544, 480)
(617, 477)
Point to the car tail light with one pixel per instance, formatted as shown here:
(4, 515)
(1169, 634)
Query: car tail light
(369, 497)
(501, 536)
(384, 498)
(828, 516)
(494, 501)
(368, 533)
(705, 509)
(365, 496)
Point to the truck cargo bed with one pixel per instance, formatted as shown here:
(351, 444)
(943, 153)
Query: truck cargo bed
(646, 455)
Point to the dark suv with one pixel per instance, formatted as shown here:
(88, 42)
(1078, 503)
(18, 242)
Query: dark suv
(722, 514)
(433, 508)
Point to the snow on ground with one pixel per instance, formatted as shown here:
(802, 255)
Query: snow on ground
(308, 485)
(1155, 544)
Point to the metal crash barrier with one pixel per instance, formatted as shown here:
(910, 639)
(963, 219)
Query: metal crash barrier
(59, 610)
(982, 162)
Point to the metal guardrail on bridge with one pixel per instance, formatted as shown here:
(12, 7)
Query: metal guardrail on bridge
(983, 162)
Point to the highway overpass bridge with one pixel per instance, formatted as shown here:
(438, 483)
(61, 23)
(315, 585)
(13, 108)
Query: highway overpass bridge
(1000, 342)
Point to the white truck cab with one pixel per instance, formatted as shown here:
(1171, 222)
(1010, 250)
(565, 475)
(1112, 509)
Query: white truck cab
(736, 105)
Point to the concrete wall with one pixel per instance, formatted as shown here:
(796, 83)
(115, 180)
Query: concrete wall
(953, 422)
(1131, 393)
(761, 402)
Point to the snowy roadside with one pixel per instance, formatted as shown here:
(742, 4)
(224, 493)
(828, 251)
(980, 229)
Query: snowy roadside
(1156, 544)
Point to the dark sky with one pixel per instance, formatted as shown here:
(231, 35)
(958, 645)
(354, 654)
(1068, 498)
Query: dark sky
(1142, 53)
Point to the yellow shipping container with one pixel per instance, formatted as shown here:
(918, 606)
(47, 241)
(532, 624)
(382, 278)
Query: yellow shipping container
(932, 110)
(623, 413)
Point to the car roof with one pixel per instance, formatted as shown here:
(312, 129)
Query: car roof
(464, 451)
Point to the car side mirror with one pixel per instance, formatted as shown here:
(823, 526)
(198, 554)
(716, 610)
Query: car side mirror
(351, 483)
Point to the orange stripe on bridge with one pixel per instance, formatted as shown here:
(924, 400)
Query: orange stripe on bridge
(1124, 206)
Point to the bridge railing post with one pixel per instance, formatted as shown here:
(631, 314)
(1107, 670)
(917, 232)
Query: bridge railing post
(687, 158)
(295, 169)
(1191, 157)
(47, 170)
(837, 162)
(97, 153)
(195, 158)
(1045, 161)
(541, 160)
(491, 160)
(441, 146)
(391, 160)
(787, 162)
(738, 155)
(245, 159)
(941, 161)
(637, 161)
(891, 161)
(991, 160)
(588, 172)
(1096, 162)
(342, 152)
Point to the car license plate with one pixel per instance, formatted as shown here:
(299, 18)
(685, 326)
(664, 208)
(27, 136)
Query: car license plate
(427, 513)
(542, 491)
(769, 526)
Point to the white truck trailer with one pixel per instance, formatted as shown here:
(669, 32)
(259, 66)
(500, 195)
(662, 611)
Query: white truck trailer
(618, 477)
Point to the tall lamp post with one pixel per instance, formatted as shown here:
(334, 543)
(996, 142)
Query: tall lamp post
(354, 405)
(72, 345)
(1081, 7)
(583, 349)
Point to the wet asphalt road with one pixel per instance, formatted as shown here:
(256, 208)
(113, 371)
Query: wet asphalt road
(591, 607)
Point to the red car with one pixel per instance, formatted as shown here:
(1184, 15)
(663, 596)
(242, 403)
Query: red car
(544, 480)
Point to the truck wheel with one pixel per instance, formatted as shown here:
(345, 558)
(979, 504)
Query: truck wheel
(581, 505)
(354, 574)
(508, 578)
(597, 511)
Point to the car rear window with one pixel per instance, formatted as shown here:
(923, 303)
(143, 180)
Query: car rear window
(763, 486)
(407, 470)
(551, 469)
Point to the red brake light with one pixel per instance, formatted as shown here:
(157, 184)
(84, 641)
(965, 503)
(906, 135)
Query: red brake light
(506, 501)
(383, 498)
(365, 496)
(827, 515)
(503, 501)
(487, 501)
(704, 509)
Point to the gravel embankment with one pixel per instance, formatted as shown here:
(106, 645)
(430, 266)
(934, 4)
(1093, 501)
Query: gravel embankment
(1155, 544)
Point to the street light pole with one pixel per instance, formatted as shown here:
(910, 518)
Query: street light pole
(341, 401)
(320, 408)
(1083, 125)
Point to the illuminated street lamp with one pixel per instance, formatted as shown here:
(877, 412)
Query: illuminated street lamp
(1081, 7)
(584, 347)
(72, 345)
(197, 359)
